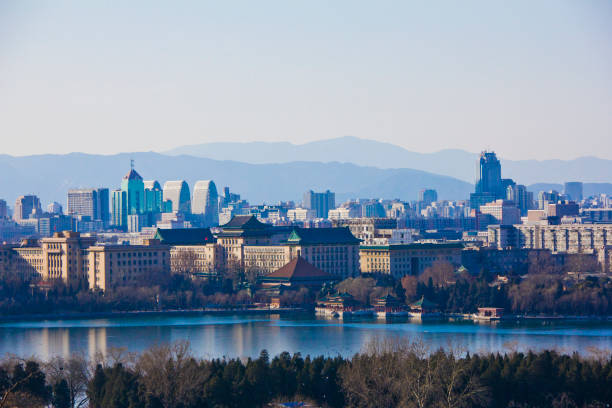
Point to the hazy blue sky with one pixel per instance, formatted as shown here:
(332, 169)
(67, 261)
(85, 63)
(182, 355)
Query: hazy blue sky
(530, 79)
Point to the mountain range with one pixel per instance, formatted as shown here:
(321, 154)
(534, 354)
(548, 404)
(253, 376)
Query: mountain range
(50, 177)
(271, 172)
(455, 163)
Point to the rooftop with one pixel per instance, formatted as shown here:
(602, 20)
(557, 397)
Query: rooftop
(299, 270)
(244, 222)
(184, 236)
(341, 235)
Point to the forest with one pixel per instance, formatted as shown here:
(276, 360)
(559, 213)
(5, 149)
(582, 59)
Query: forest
(392, 373)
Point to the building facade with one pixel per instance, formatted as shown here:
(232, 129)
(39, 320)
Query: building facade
(321, 203)
(205, 203)
(411, 259)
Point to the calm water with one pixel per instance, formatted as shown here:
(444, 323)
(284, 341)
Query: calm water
(247, 335)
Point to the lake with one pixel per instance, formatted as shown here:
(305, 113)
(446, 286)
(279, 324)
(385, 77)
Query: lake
(240, 335)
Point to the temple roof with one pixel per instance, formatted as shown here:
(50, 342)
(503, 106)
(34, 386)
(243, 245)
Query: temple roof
(244, 222)
(424, 304)
(184, 236)
(299, 270)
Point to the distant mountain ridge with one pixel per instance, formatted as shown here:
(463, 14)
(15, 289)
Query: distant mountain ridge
(451, 162)
(50, 177)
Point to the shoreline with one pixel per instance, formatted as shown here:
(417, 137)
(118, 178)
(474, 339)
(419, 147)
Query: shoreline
(136, 313)
(263, 311)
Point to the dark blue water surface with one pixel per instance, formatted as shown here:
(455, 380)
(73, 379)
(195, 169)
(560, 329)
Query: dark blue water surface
(246, 335)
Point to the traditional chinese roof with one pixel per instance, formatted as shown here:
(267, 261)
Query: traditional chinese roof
(424, 304)
(298, 270)
(387, 299)
(313, 236)
(244, 222)
(184, 236)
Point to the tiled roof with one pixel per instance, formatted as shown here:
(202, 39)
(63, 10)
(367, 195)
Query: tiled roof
(424, 303)
(184, 236)
(340, 235)
(299, 269)
(244, 222)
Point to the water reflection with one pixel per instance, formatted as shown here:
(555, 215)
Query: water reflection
(245, 336)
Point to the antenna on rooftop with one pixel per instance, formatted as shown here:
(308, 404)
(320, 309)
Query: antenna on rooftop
(132, 164)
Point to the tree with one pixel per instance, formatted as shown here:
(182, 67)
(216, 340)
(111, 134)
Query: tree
(74, 371)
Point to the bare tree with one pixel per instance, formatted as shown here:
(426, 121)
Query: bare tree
(75, 371)
(171, 375)
(184, 261)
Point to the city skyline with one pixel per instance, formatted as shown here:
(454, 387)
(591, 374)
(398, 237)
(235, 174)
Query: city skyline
(425, 78)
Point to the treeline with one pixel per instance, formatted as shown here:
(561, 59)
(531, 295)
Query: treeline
(385, 374)
(461, 292)
(549, 291)
(158, 293)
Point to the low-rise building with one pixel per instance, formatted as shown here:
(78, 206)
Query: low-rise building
(110, 266)
(407, 259)
(193, 251)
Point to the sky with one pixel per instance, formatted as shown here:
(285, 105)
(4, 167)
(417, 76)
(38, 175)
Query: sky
(529, 79)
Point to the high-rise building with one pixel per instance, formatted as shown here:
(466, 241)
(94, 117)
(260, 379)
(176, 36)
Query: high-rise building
(545, 198)
(25, 206)
(89, 202)
(153, 196)
(573, 189)
(490, 186)
(3, 209)
(119, 208)
(521, 197)
(177, 192)
(133, 185)
(55, 208)
(428, 196)
(321, 203)
(205, 202)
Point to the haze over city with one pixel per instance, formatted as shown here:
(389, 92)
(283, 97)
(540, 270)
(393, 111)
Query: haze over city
(527, 79)
(277, 204)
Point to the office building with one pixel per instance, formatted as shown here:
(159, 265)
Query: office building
(89, 202)
(428, 196)
(133, 186)
(177, 193)
(119, 211)
(490, 185)
(153, 197)
(26, 206)
(301, 214)
(522, 198)
(573, 190)
(193, 251)
(504, 212)
(49, 224)
(367, 230)
(411, 259)
(4, 213)
(321, 203)
(108, 266)
(205, 203)
(55, 208)
(547, 197)
(58, 257)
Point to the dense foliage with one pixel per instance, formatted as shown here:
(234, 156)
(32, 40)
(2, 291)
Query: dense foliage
(390, 374)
